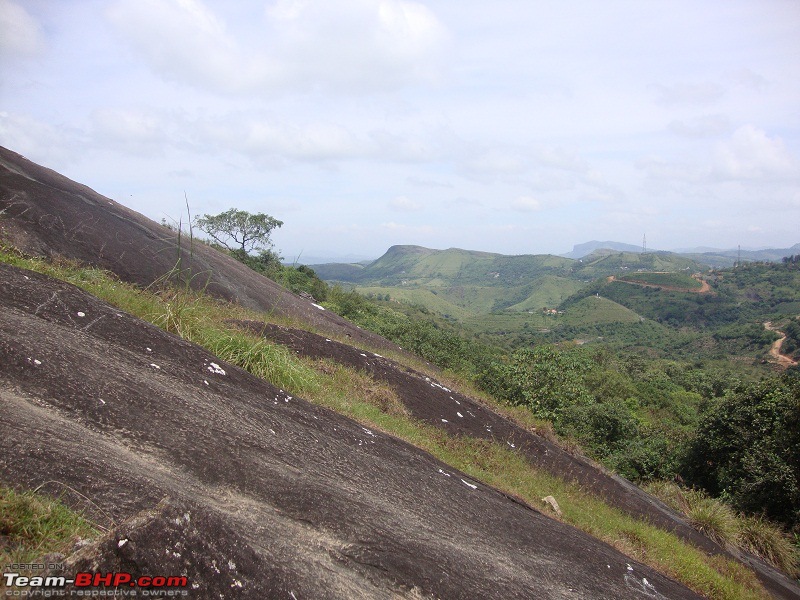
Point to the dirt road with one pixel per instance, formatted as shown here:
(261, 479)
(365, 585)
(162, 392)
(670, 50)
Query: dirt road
(704, 288)
(775, 352)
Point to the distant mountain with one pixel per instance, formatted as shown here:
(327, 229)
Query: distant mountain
(707, 256)
(727, 258)
(304, 259)
(463, 283)
(415, 265)
(581, 250)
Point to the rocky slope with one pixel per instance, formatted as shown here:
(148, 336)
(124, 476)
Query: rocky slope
(296, 501)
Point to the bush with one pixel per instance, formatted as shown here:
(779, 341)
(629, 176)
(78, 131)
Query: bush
(747, 450)
(604, 428)
(544, 379)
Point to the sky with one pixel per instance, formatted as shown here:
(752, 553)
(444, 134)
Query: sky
(514, 126)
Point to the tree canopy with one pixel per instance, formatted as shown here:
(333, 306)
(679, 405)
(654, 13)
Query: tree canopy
(239, 230)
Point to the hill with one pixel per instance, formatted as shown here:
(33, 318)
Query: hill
(715, 258)
(581, 250)
(496, 294)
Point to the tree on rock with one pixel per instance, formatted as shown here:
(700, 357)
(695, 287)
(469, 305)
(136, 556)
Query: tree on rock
(240, 231)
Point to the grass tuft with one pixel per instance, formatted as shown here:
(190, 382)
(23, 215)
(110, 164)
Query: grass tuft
(32, 525)
(717, 520)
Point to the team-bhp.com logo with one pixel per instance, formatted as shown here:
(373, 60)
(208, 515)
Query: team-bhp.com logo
(86, 584)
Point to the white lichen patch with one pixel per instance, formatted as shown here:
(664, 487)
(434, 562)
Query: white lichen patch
(81, 314)
(154, 365)
(460, 416)
(216, 369)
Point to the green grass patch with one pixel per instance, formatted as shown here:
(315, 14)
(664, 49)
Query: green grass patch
(32, 525)
(677, 280)
(596, 310)
(752, 534)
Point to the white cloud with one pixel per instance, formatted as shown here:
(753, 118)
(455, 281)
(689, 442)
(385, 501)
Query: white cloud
(688, 93)
(270, 138)
(20, 33)
(133, 131)
(705, 126)
(561, 158)
(183, 40)
(361, 43)
(490, 165)
(750, 154)
(405, 204)
(37, 140)
(526, 204)
(293, 44)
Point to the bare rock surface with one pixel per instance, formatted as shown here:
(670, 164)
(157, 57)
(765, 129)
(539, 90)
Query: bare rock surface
(430, 401)
(319, 506)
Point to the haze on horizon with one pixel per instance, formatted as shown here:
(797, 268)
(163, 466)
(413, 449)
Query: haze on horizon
(515, 127)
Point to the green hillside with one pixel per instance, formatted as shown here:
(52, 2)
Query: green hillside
(604, 263)
(650, 302)
(594, 310)
(547, 291)
(668, 280)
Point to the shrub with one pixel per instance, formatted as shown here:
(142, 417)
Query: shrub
(747, 450)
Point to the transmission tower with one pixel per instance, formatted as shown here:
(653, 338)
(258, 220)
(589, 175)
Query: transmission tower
(644, 244)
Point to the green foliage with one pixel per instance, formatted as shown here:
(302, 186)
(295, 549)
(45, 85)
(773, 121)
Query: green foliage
(677, 280)
(297, 279)
(604, 428)
(747, 450)
(240, 230)
(433, 340)
(545, 379)
(791, 345)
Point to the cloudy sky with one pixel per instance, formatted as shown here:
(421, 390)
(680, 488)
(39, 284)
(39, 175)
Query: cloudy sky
(508, 126)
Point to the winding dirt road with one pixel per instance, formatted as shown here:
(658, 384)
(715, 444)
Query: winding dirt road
(704, 288)
(775, 352)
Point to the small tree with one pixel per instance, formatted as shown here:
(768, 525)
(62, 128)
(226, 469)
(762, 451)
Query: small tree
(240, 231)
